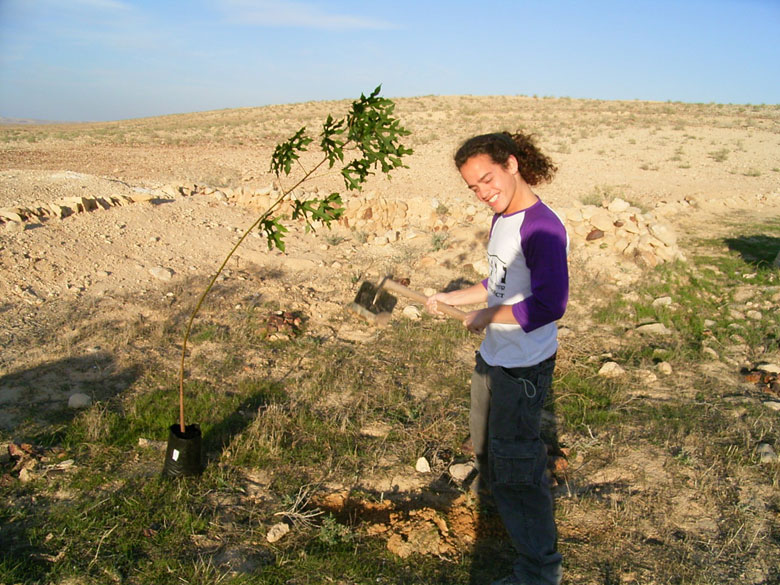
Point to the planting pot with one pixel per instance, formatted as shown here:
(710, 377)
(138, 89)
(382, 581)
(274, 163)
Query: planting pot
(183, 455)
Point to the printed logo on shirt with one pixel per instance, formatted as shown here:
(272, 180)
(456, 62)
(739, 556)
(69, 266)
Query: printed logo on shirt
(497, 280)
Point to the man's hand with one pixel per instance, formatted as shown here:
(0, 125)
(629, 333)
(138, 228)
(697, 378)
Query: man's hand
(431, 305)
(476, 321)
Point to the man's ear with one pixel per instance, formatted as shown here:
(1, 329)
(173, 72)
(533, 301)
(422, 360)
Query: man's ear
(511, 164)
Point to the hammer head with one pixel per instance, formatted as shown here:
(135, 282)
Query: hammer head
(375, 298)
(374, 303)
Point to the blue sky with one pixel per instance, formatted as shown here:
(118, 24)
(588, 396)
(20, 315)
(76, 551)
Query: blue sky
(118, 59)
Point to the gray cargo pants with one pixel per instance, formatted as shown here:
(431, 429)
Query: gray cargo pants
(505, 424)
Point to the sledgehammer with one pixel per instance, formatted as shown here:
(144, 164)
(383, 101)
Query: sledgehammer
(375, 303)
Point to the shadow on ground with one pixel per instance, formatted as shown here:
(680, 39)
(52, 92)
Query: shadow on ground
(37, 397)
(758, 250)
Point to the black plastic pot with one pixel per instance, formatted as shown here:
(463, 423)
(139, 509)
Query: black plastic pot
(183, 455)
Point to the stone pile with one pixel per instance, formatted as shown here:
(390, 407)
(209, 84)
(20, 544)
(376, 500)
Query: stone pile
(621, 229)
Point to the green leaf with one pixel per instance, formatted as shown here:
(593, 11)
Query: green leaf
(333, 147)
(287, 152)
(274, 232)
(324, 210)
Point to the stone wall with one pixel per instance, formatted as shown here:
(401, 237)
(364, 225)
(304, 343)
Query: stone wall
(614, 238)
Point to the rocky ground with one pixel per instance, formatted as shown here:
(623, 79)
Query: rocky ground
(98, 215)
(125, 221)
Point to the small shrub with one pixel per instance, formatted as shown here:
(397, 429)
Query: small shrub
(331, 533)
(719, 155)
(439, 241)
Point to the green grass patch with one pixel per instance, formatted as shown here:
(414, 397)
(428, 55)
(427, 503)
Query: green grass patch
(583, 400)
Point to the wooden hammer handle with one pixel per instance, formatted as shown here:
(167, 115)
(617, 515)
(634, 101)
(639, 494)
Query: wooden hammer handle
(420, 298)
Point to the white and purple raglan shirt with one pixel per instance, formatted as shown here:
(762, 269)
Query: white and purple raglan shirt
(528, 270)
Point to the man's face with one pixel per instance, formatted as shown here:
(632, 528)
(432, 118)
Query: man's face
(492, 183)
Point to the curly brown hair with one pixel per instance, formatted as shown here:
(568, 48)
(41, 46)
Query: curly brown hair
(535, 167)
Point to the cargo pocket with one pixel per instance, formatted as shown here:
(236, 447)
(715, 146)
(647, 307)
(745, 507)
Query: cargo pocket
(517, 462)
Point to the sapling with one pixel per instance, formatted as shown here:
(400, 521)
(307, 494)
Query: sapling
(364, 140)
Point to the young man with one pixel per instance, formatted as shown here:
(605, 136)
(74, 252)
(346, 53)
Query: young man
(526, 292)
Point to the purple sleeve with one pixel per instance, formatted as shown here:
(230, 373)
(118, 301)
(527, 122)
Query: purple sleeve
(544, 247)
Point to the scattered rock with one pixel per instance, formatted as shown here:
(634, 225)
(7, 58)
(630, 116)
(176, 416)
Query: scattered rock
(277, 532)
(662, 302)
(63, 465)
(769, 368)
(461, 471)
(160, 273)
(284, 324)
(664, 368)
(79, 400)
(377, 430)
(612, 370)
(412, 312)
(772, 405)
(11, 215)
(766, 453)
(26, 475)
(481, 267)
(647, 377)
(711, 353)
(654, 329)
(422, 465)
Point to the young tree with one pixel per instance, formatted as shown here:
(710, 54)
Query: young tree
(366, 139)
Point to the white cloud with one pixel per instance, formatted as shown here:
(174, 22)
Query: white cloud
(281, 13)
